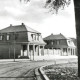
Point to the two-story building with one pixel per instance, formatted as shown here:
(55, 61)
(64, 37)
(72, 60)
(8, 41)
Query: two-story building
(59, 45)
(20, 41)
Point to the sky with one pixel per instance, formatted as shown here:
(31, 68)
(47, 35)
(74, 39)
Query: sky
(34, 15)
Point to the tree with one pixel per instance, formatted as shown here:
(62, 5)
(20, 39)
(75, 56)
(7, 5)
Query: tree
(55, 5)
(77, 20)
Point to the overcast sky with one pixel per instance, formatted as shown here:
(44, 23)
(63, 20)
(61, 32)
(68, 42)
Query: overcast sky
(37, 17)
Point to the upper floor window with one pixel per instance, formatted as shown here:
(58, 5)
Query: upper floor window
(58, 42)
(52, 42)
(69, 42)
(0, 37)
(33, 36)
(37, 37)
(8, 37)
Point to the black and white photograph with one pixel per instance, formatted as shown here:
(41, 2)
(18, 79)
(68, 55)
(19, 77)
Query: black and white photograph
(39, 40)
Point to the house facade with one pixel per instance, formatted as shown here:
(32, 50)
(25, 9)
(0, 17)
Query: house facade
(59, 45)
(20, 41)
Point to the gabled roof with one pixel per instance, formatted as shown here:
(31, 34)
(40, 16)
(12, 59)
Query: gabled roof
(53, 37)
(18, 28)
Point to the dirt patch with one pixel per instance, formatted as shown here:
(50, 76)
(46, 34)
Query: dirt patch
(68, 71)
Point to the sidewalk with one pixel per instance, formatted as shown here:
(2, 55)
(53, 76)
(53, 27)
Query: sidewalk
(48, 58)
(6, 61)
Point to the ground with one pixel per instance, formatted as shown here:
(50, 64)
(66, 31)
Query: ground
(24, 69)
(66, 71)
(20, 70)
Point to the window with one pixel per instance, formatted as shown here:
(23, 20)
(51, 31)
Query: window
(8, 36)
(69, 42)
(58, 42)
(47, 42)
(32, 36)
(52, 42)
(16, 36)
(35, 36)
(38, 37)
(0, 37)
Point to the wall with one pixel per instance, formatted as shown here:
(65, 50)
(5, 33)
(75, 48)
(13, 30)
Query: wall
(18, 37)
(61, 42)
(6, 48)
(8, 45)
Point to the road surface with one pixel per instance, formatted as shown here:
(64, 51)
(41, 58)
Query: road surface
(23, 70)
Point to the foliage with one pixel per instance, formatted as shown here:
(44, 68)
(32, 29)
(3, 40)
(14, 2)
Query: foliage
(54, 5)
(24, 0)
(61, 72)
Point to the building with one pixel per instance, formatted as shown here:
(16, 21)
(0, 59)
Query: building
(75, 43)
(20, 41)
(59, 45)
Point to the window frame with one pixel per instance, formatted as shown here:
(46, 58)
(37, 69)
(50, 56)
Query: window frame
(8, 37)
(58, 42)
(1, 37)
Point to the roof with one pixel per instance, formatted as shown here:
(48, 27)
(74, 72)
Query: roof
(52, 37)
(75, 41)
(18, 28)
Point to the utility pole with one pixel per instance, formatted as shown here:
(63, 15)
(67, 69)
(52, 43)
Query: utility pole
(14, 52)
(14, 44)
(9, 51)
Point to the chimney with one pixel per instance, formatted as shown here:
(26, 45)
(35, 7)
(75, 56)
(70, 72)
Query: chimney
(51, 33)
(10, 25)
(60, 33)
(22, 24)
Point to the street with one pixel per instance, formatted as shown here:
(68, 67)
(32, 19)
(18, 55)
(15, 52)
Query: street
(20, 70)
(24, 70)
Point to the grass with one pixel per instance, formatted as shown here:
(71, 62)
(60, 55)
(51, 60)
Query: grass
(68, 71)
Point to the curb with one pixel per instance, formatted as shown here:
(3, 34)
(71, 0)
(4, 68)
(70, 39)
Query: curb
(43, 74)
(38, 75)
